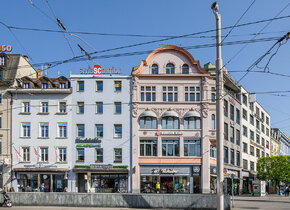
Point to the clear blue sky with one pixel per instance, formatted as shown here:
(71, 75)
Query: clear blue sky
(156, 17)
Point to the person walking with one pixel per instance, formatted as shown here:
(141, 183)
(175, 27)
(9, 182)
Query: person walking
(287, 191)
(41, 187)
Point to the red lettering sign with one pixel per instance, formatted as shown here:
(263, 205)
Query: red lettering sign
(97, 69)
(7, 48)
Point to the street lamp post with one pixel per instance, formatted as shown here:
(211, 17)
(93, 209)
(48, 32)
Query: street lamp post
(219, 110)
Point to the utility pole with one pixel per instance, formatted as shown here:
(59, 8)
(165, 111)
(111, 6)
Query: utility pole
(219, 111)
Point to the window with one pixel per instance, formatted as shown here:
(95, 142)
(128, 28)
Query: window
(263, 128)
(192, 93)
(245, 164)
(232, 134)
(245, 100)
(81, 86)
(192, 123)
(170, 69)
(62, 154)
(267, 132)
(26, 85)
(226, 131)
(226, 108)
(170, 94)
(99, 107)
(245, 131)
(257, 112)
(62, 107)
(267, 155)
(43, 130)
(80, 154)
(154, 69)
(117, 131)
(26, 154)
(99, 155)
(267, 144)
(263, 154)
(245, 147)
(81, 107)
(1, 73)
(25, 129)
(257, 153)
(148, 147)
(170, 123)
(252, 166)
(44, 85)
(252, 106)
(99, 130)
(258, 138)
(62, 85)
(26, 107)
(2, 60)
(267, 120)
(44, 107)
(252, 135)
(118, 86)
(263, 116)
(170, 147)
(148, 123)
(80, 130)
(245, 114)
(44, 154)
(185, 69)
(0, 120)
(148, 93)
(238, 137)
(0, 97)
(263, 142)
(118, 107)
(258, 124)
(62, 130)
(99, 86)
(238, 118)
(212, 121)
(118, 155)
(232, 112)
(226, 155)
(252, 151)
(212, 151)
(232, 157)
(238, 158)
(213, 97)
(192, 148)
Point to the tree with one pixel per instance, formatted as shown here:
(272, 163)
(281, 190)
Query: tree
(275, 168)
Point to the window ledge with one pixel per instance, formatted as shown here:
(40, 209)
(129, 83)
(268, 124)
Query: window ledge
(98, 161)
(117, 161)
(43, 113)
(80, 161)
(25, 162)
(99, 113)
(65, 162)
(25, 113)
(43, 162)
(61, 113)
(61, 138)
(43, 137)
(24, 137)
(117, 137)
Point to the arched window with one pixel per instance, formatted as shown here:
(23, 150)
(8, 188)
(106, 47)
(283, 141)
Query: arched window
(170, 122)
(213, 121)
(185, 69)
(170, 69)
(154, 69)
(192, 123)
(148, 123)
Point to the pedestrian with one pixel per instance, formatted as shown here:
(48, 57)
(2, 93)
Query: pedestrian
(41, 187)
(287, 191)
(158, 186)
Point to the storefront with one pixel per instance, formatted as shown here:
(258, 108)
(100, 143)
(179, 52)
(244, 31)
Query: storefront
(232, 178)
(213, 179)
(248, 178)
(170, 179)
(54, 180)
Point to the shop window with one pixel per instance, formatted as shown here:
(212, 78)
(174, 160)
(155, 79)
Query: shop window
(181, 184)
(170, 94)
(192, 123)
(212, 151)
(245, 147)
(118, 86)
(154, 69)
(62, 130)
(26, 107)
(118, 107)
(26, 154)
(226, 108)
(25, 129)
(238, 137)
(62, 107)
(99, 86)
(192, 148)
(148, 93)
(213, 122)
(170, 69)
(117, 155)
(148, 184)
(99, 155)
(117, 131)
(245, 164)
(44, 107)
(252, 152)
(62, 154)
(81, 107)
(28, 183)
(148, 123)
(80, 154)
(226, 155)
(44, 154)
(44, 85)
(170, 123)
(99, 130)
(80, 130)
(192, 94)
(148, 147)
(81, 86)
(113, 183)
(170, 147)
(43, 130)
(185, 69)
(226, 131)
(99, 107)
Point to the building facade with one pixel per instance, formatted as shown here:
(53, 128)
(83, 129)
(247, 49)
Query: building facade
(101, 124)
(12, 68)
(275, 142)
(281, 146)
(41, 137)
(255, 137)
(173, 124)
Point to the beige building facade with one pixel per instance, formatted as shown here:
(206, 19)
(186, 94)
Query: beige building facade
(275, 143)
(12, 67)
(173, 124)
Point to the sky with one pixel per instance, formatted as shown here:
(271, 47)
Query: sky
(155, 18)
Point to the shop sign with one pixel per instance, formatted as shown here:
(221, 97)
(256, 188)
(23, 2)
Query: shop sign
(101, 166)
(169, 133)
(232, 101)
(99, 70)
(245, 174)
(5, 48)
(88, 140)
(163, 171)
(88, 145)
(258, 131)
(213, 170)
(40, 165)
(196, 170)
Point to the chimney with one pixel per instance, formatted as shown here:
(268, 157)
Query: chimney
(39, 73)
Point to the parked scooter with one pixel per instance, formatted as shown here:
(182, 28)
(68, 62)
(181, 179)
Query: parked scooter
(7, 200)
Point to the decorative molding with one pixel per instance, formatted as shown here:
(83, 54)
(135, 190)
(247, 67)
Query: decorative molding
(134, 110)
(204, 110)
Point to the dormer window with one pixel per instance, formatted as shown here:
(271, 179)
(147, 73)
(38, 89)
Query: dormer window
(44, 85)
(170, 69)
(2, 60)
(185, 69)
(26, 85)
(154, 69)
(62, 85)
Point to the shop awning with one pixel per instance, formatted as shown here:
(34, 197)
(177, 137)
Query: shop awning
(148, 114)
(170, 114)
(41, 169)
(192, 114)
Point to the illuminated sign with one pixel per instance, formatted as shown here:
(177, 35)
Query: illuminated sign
(169, 133)
(5, 48)
(163, 171)
(232, 101)
(99, 70)
(88, 140)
